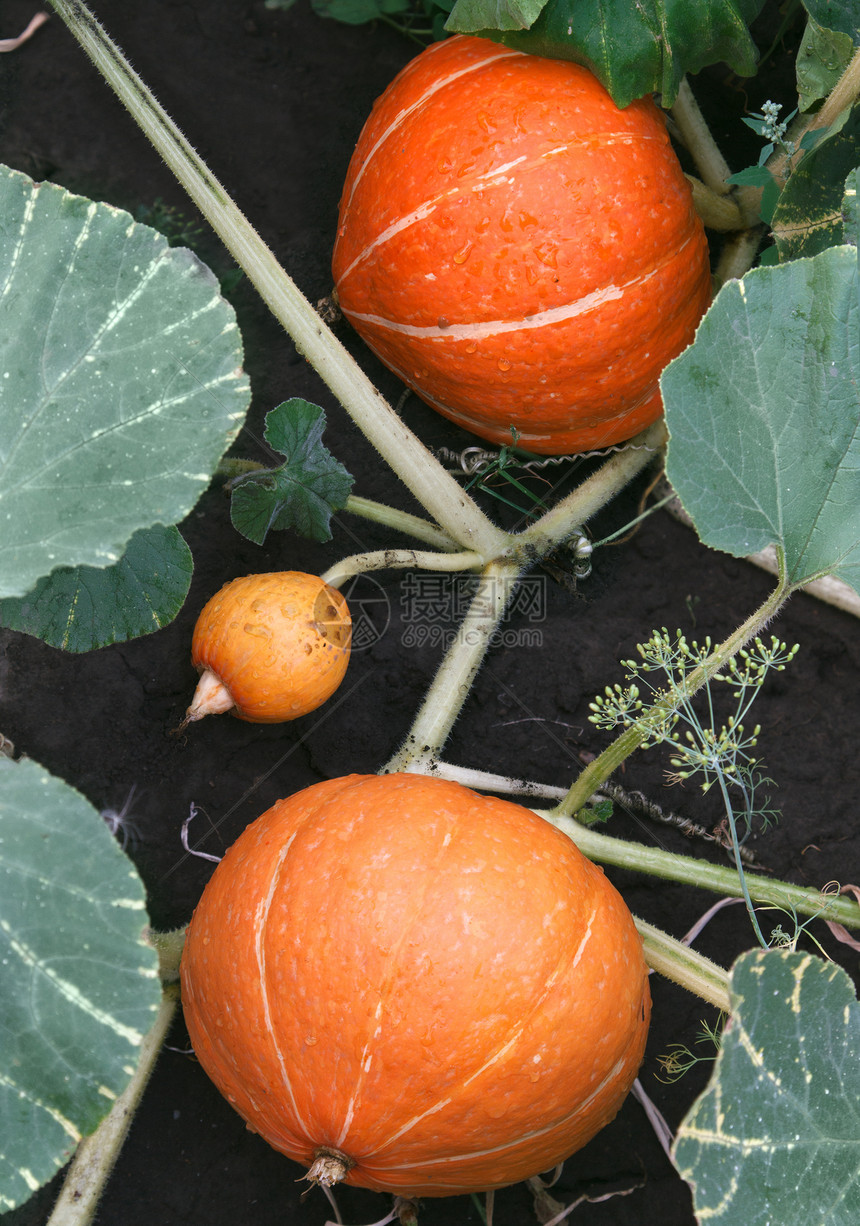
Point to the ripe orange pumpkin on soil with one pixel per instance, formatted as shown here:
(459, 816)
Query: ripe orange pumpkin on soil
(415, 988)
(270, 647)
(517, 249)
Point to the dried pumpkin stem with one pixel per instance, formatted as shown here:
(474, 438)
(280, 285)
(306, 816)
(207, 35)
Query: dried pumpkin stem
(212, 697)
(329, 1167)
(431, 484)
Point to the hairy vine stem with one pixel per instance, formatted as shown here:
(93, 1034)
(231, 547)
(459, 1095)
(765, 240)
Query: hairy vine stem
(452, 683)
(697, 137)
(684, 966)
(97, 1154)
(435, 488)
(400, 521)
(385, 559)
(457, 515)
(606, 849)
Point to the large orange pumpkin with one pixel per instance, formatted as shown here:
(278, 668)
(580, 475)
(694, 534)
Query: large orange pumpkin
(519, 250)
(416, 988)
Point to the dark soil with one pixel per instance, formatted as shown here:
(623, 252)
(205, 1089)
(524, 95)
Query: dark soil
(274, 102)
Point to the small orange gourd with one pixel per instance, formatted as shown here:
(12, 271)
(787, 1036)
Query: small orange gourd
(270, 647)
(414, 988)
(517, 249)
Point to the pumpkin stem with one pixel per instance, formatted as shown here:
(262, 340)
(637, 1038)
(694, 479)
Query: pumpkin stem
(210, 698)
(329, 1167)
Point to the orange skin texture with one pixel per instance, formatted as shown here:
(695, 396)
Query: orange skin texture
(552, 263)
(280, 642)
(437, 984)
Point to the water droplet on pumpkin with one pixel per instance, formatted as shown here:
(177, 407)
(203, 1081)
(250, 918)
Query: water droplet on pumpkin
(503, 364)
(471, 347)
(258, 631)
(462, 255)
(311, 1040)
(547, 253)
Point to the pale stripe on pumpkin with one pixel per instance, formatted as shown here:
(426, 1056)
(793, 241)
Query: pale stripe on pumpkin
(425, 97)
(505, 1047)
(542, 319)
(370, 1164)
(260, 920)
(489, 178)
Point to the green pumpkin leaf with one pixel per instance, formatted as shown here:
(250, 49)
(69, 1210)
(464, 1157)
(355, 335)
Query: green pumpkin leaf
(809, 215)
(752, 176)
(486, 16)
(851, 209)
(120, 381)
(634, 47)
(81, 608)
(763, 411)
(822, 57)
(775, 1137)
(78, 987)
(304, 491)
(841, 15)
